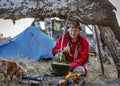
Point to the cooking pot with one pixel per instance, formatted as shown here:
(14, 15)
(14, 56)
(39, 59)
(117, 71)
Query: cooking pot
(60, 69)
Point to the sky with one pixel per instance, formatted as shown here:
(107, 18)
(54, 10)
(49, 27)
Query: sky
(116, 3)
(9, 29)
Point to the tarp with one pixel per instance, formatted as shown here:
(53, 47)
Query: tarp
(31, 44)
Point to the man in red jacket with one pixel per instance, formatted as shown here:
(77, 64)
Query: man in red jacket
(76, 47)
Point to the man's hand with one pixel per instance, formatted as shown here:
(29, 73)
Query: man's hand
(66, 49)
(66, 54)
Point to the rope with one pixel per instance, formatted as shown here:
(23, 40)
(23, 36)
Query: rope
(41, 43)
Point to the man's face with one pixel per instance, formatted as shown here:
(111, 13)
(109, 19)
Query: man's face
(74, 32)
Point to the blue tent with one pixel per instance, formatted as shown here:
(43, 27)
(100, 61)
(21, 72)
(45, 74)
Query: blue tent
(30, 44)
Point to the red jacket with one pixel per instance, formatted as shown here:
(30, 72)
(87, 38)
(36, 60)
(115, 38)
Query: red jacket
(83, 50)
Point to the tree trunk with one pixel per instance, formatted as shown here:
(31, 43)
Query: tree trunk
(100, 12)
(112, 44)
(86, 11)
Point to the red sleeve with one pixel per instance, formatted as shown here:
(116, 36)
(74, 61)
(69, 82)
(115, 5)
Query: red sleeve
(57, 47)
(83, 57)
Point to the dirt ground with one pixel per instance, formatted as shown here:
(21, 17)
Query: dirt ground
(94, 77)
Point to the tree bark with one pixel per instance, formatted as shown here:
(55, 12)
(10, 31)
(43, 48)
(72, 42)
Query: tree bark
(86, 11)
(100, 12)
(112, 44)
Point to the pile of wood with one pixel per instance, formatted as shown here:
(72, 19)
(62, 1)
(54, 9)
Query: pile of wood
(50, 80)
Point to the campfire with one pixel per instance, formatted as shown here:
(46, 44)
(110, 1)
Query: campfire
(52, 80)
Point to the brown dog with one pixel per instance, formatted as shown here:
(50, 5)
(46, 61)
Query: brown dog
(10, 68)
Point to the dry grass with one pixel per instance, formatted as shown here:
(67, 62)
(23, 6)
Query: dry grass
(41, 67)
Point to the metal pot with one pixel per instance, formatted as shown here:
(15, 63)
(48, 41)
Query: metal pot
(60, 69)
